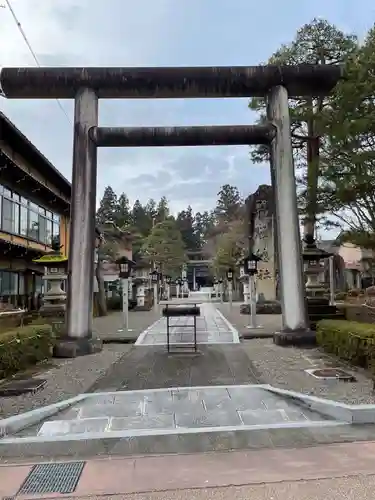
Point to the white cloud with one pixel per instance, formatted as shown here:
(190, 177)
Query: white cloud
(122, 33)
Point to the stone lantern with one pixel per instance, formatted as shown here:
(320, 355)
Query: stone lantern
(55, 275)
(313, 257)
(318, 303)
(244, 279)
(141, 277)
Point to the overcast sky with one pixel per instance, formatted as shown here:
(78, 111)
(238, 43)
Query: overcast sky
(158, 33)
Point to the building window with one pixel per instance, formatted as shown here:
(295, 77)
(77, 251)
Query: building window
(16, 218)
(7, 216)
(21, 282)
(21, 216)
(10, 216)
(48, 232)
(23, 220)
(56, 234)
(33, 226)
(38, 284)
(42, 229)
(8, 283)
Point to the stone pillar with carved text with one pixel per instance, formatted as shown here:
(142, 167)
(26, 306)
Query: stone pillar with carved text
(262, 240)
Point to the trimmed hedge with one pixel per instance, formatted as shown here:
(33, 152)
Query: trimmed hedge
(23, 347)
(349, 340)
(114, 303)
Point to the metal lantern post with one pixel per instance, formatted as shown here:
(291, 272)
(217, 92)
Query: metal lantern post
(154, 275)
(251, 269)
(216, 288)
(168, 284)
(332, 280)
(125, 267)
(230, 286)
(160, 290)
(221, 286)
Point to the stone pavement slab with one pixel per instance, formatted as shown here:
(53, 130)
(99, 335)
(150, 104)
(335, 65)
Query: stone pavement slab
(172, 410)
(338, 472)
(111, 326)
(212, 328)
(347, 488)
(270, 323)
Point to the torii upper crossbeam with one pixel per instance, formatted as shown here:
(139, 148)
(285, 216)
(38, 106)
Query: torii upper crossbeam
(87, 85)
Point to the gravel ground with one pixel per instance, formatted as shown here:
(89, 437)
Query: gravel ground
(70, 377)
(285, 368)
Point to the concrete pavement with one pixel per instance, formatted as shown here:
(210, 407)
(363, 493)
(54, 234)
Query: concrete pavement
(338, 472)
(269, 323)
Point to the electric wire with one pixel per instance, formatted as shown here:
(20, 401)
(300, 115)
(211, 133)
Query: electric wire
(32, 52)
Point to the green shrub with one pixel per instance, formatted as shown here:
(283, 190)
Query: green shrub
(349, 340)
(23, 347)
(114, 303)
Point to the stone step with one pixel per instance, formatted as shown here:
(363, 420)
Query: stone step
(170, 423)
(314, 318)
(223, 438)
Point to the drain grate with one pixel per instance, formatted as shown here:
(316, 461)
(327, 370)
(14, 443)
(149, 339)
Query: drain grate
(17, 387)
(331, 374)
(52, 478)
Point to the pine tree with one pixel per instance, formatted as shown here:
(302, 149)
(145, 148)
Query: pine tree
(228, 204)
(347, 177)
(203, 225)
(140, 219)
(123, 216)
(162, 210)
(318, 42)
(185, 223)
(108, 207)
(165, 247)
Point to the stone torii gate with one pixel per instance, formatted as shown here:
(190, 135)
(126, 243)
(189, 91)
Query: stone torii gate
(87, 85)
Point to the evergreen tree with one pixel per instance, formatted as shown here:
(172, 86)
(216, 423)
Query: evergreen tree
(165, 247)
(108, 207)
(347, 177)
(318, 42)
(162, 210)
(140, 219)
(123, 215)
(228, 205)
(229, 248)
(185, 223)
(203, 225)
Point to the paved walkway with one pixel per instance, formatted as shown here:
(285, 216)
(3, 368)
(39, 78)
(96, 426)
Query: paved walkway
(172, 411)
(268, 323)
(135, 368)
(111, 326)
(338, 472)
(212, 328)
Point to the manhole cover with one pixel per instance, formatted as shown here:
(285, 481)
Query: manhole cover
(52, 478)
(17, 387)
(331, 374)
